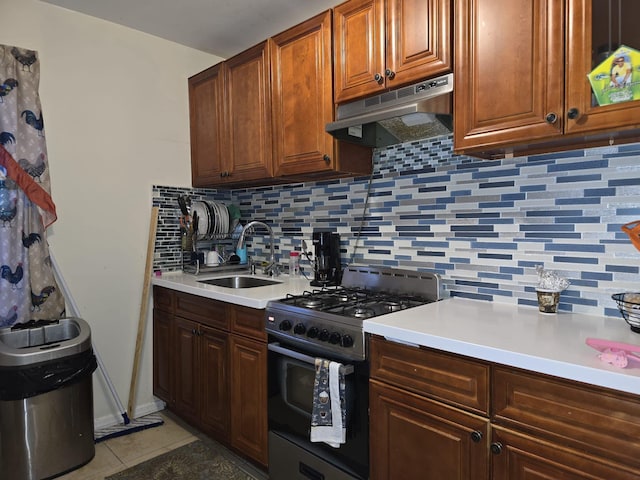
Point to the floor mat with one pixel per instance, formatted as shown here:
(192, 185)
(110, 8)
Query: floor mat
(200, 460)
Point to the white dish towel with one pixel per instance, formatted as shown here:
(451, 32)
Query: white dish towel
(328, 417)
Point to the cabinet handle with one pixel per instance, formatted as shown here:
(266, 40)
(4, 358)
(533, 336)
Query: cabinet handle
(326, 158)
(551, 118)
(476, 436)
(378, 78)
(573, 113)
(193, 331)
(390, 73)
(496, 448)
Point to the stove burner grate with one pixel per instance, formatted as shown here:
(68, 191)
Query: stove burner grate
(356, 303)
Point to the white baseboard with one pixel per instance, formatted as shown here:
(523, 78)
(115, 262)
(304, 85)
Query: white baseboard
(140, 411)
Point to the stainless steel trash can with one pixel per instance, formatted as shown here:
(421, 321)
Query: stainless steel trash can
(46, 398)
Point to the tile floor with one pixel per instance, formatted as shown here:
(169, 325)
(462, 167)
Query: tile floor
(120, 453)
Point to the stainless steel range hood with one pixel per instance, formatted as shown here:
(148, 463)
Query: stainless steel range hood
(414, 112)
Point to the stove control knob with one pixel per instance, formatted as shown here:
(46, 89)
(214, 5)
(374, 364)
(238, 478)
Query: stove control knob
(347, 341)
(313, 332)
(324, 335)
(285, 325)
(300, 329)
(334, 338)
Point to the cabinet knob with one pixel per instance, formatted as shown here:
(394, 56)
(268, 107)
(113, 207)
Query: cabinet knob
(390, 73)
(496, 448)
(476, 436)
(551, 118)
(378, 78)
(193, 331)
(326, 158)
(573, 113)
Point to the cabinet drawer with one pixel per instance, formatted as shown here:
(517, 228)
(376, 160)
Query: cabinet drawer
(580, 416)
(248, 321)
(448, 378)
(204, 310)
(163, 299)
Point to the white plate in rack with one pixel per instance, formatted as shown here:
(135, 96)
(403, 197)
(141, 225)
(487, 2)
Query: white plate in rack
(224, 215)
(203, 217)
(212, 219)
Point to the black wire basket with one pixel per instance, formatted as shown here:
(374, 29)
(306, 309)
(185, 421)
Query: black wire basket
(629, 306)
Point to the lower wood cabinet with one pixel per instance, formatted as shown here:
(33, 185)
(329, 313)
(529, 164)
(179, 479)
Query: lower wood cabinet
(429, 420)
(162, 343)
(210, 367)
(201, 369)
(520, 456)
(415, 437)
(248, 394)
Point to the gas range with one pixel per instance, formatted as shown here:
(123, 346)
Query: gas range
(330, 320)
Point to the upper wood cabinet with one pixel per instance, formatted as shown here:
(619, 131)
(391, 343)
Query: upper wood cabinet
(382, 44)
(206, 120)
(259, 118)
(302, 95)
(248, 95)
(521, 75)
(230, 120)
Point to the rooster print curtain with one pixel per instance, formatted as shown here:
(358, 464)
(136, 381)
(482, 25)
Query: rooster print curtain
(28, 290)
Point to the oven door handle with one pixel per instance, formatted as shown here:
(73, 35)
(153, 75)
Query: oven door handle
(277, 348)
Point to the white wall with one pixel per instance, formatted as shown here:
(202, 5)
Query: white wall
(116, 121)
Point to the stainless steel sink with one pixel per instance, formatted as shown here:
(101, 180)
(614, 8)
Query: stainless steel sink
(239, 282)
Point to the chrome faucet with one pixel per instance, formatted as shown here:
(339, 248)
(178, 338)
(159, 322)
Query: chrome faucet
(272, 268)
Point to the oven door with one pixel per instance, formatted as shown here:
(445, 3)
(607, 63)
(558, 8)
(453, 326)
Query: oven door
(291, 454)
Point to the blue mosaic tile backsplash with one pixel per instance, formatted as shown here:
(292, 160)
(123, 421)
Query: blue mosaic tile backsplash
(483, 225)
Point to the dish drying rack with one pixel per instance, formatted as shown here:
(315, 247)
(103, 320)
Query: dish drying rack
(193, 257)
(193, 235)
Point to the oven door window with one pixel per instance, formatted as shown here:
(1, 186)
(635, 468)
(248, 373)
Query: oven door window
(296, 385)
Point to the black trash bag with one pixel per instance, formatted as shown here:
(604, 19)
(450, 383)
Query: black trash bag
(17, 383)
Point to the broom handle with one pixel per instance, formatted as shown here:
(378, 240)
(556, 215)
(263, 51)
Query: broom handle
(76, 313)
(143, 306)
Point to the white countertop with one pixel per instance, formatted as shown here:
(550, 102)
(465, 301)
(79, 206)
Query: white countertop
(516, 336)
(510, 335)
(255, 297)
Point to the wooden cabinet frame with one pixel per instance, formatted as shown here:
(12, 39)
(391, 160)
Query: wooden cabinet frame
(210, 367)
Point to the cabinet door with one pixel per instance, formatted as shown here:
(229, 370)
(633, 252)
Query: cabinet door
(418, 40)
(380, 45)
(414, 437)
(597, 28)
(520, 457)
(162, 355)
(248, 95)
(206, 121)
(509, 72)
(186, 369)
(214, 403)
(359, 49)
(302, 94)
(249, 397)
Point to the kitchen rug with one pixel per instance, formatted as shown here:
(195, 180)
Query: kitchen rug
(200, 460)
